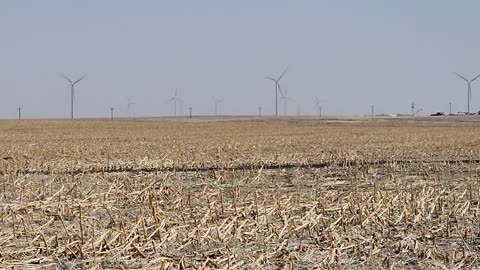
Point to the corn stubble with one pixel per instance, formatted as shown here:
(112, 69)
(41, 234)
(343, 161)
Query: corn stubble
(97, 195)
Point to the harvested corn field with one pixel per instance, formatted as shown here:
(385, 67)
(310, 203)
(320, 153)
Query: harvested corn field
(250, 194)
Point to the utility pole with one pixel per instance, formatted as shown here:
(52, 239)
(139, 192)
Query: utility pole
(111, 113)
(260, 111)
(19, 113)
(190, 109)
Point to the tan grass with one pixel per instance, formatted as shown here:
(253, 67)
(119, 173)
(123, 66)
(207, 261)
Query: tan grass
(353, 213)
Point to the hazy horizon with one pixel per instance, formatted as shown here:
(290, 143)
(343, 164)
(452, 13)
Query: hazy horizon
(350, 54)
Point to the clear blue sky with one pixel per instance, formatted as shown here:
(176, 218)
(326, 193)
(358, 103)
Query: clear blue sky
(349, 53)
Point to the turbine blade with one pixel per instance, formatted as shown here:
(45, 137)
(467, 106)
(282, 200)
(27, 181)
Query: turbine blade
(461, 76)
(284, 72)
(80, 79)
(270, 78)
(474, 78)
(66, 78)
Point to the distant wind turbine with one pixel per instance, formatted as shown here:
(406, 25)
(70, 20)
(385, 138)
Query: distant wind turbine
(130, 105)
(276, 81)
(175, 98)
(469, 89)
(72, 90)
(285, 98)
(415, 112)
(216, 101)
(318, 106)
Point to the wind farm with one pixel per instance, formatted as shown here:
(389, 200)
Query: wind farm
(239, 135)
(281, 96)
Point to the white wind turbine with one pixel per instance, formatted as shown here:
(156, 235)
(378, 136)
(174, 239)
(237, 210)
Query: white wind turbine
(318, 106)
(469, 89)
(175, 99)
(276, 81)
(216, 101)
(284, 98)
(130, 105)
(72, 91)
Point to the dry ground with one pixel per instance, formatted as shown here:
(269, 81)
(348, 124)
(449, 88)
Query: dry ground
(240, 193)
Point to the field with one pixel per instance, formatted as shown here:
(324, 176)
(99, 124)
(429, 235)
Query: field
(242, 193)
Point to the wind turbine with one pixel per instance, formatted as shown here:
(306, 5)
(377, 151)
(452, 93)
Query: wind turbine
(284, 97)
(175, 98)
(276, 81)
(216, 101)
(469, 89)
(130, 105)
(72, 90)
(318, 106)
(415, 112)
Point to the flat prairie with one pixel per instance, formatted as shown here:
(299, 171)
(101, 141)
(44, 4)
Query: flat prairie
(241, 193)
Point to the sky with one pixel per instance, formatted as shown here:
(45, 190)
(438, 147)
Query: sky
(350, 54)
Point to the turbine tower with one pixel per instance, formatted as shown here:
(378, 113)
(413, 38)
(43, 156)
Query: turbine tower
(276, 81)
(469, 89)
